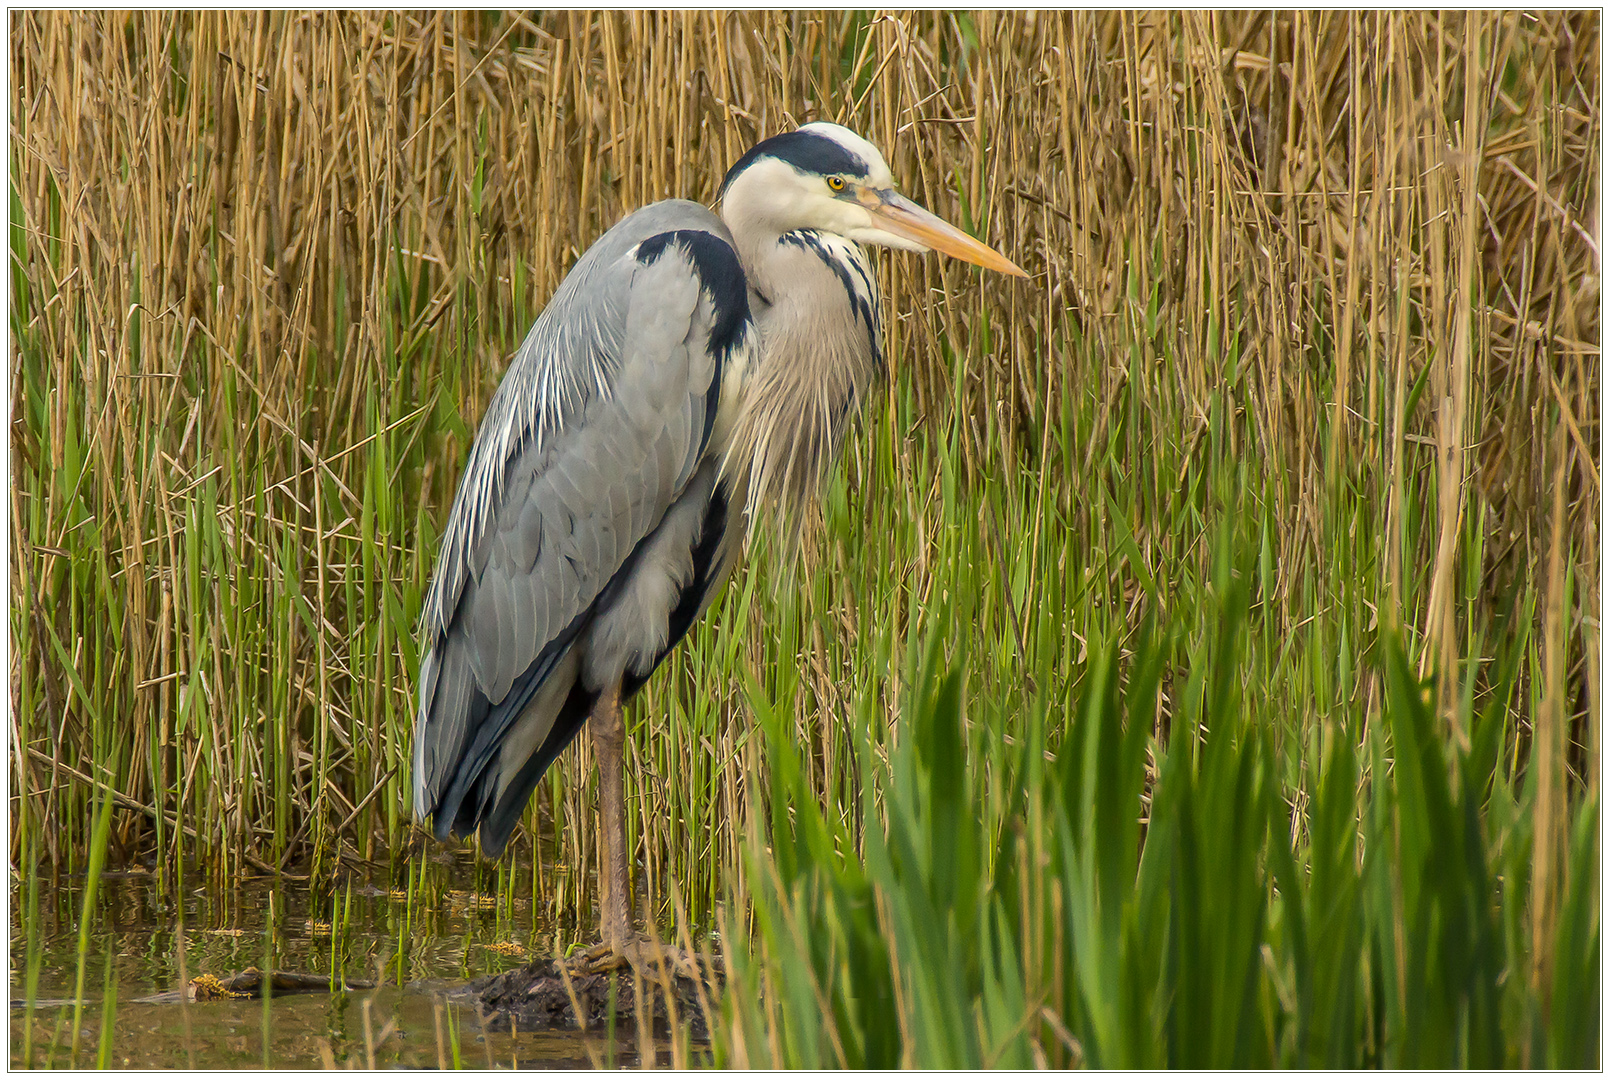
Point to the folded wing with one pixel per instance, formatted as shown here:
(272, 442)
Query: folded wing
(593, 436)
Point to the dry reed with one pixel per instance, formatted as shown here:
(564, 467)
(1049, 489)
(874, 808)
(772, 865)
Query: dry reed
(268, 266)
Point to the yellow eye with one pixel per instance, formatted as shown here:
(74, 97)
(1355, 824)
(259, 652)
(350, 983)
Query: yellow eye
(835, 183)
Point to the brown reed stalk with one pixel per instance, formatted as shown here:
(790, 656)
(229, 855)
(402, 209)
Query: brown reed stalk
(269, 266)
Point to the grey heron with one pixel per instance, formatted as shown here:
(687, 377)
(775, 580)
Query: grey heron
(688, 371)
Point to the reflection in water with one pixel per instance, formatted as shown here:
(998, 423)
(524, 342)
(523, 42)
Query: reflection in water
(359, 929)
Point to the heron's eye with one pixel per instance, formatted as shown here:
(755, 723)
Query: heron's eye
(835, 184)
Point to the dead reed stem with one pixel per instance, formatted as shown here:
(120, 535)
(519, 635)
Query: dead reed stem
(269, 266)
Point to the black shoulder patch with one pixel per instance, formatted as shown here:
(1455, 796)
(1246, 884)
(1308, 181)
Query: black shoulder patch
(720, 275)
(807, 151)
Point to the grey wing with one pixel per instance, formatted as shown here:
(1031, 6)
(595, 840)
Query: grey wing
(592, 435)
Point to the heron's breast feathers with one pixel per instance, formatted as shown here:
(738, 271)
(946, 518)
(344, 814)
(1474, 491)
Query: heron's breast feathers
(817, 353)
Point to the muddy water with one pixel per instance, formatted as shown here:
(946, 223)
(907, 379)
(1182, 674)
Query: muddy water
(417, 956)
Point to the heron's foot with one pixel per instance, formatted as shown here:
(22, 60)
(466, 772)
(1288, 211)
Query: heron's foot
(651, 960)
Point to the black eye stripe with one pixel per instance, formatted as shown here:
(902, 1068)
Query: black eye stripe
(806, 151)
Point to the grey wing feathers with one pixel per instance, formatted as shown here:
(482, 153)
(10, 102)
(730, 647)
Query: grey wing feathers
(596, 428)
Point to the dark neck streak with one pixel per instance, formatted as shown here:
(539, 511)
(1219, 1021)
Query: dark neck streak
(849, 264)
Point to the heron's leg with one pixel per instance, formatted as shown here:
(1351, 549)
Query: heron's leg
(609, 743)
(620, 945)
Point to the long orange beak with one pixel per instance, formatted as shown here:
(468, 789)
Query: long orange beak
(897, 214)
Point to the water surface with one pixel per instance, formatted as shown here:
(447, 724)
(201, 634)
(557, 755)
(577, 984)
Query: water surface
(146, 940)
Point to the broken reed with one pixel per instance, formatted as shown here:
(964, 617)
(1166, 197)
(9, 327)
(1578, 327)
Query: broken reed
(268, 267)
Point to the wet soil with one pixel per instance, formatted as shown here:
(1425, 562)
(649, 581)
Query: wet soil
(540, 997)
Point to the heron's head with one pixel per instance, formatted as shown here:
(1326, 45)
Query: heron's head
(827, 177)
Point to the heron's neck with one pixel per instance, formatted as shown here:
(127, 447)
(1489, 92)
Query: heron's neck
(814, 299)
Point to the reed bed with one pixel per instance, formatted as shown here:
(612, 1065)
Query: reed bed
(1034, 920)
(1337, 270)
